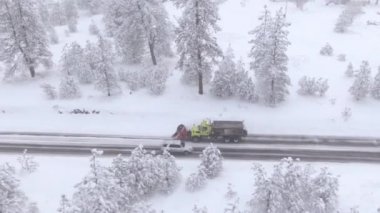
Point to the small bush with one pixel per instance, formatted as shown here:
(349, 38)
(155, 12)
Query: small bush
(350, 70)
(327, 50)
(342, 57)
(50, 91)
(93, 29)
(68, 88)
(312, 87)
(196, 181)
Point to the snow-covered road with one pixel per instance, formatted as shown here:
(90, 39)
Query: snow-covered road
(260, 147)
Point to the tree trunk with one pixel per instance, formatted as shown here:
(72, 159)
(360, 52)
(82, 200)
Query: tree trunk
(200, 83)
(199, 55)
(32, 71)
(152, 54)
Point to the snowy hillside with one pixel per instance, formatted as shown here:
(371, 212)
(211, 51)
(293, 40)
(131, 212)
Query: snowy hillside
(24, 107)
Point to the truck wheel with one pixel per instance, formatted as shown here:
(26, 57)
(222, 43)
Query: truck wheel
(236, 140)
(227, 139)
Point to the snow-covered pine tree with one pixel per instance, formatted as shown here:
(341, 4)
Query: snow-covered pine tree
(58, 18)
(23, 35)
(68, 87)
(294, 188)
(43, 13)
(375, 89)
(106, 80)
(12, 199)
(196, 41)
(211, 161)
(223, 83)
(170, 173)
(71, 14)
(259, 53)
(275, 81)
(350, 70)
(91, 55)
(95, 192)
(244, 87)
(74, 62)
(53, 36)
(362, 83)
(65, 205)
(139, 26)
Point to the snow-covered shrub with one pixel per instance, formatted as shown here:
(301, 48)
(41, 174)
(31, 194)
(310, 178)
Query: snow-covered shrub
(27, 163)
(156, 77)
(347, 113)
(341, 57)
(12, 199)
(362, 83)
(197, 209)
(153, 78)
(134, 79)
(350, 70)
(68, 88)
(211, 161)
(294, 188)
(327, 50)
(53, 36)
(311, 86)
(375, 89)
(72, 26)
(346, 18)
(93, 29)
(49, 91)
(196, 181)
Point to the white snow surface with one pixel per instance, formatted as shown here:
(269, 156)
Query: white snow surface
(55, 176)
(23, 106)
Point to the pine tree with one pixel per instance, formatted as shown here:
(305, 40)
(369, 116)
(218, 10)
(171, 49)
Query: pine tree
(23, 35)
(196, 42)
(293, 188)
(275, 81)
(71, 14)
(106, 80)
(74, 62)
(223, 83)
(244, 87)
(95, 193)
(211, 161)
(260, 44)
(139, 26)
(269, 59)
(59, 17)
(12, 199)
(375, 90)
(361, 86)
(170, 172)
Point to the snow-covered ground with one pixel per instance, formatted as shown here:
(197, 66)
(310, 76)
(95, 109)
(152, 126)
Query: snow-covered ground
(23, 106)
(359, 184)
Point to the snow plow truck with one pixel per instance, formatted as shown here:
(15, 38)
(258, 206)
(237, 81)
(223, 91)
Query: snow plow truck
(227, 131)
